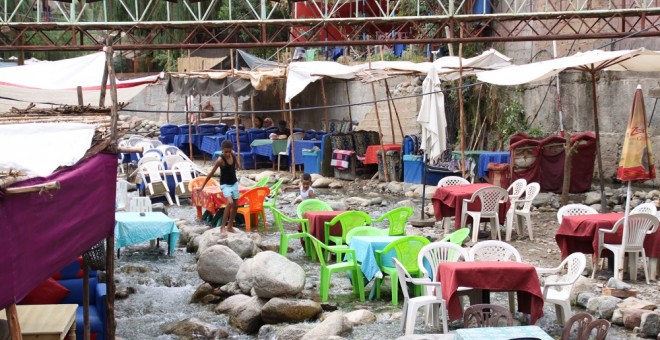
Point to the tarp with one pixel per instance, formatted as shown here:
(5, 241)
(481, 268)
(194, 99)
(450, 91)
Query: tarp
(582, 171)
(206, 86)
(44, 231)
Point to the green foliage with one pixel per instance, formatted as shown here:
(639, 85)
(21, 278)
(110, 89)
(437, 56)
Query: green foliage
(512, 119)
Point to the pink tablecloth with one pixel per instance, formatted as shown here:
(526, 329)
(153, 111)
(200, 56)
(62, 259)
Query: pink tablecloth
(495, 276)
(317, 221)
(211, 199)
(371, 156)
(448, 201)
(580, 234)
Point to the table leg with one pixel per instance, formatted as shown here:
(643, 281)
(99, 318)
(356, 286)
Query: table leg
(485, 296)
(72, 330)
(169, 243)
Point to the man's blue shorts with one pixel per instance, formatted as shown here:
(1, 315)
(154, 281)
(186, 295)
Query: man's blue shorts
(230, 190)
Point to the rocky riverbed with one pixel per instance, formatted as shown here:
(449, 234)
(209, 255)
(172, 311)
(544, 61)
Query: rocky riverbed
(195, 296)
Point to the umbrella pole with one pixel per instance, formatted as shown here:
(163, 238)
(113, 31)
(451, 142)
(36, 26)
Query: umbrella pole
(350, 110)
(603, 206)
(619, 273)
(325, 105)
(421, 215)
(380, 131)
(460, 104)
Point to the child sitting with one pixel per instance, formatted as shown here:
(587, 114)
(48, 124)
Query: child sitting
(306, 190)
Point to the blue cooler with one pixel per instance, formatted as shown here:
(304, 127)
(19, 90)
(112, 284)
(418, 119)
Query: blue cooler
(312, 161)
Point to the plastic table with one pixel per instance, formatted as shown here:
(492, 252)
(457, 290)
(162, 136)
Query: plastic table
(502, 333)
(448, 201)
(132, 228)
(365, 253)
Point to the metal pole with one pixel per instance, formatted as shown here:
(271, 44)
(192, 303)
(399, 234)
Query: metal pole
(603, 206)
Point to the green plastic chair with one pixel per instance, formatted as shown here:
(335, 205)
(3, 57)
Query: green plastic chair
(457, 237)
(260, 183)
(349, 220)
(406, 250)
(349, 265)
(363, 231)
(312, 205)
(397, 218)
(280, 217)
(274, 192)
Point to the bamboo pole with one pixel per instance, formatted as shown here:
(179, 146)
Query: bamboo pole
(111, 323)
(80, 95)
(293, 154)
(104, 84)
(53, 185)
(12, 322)
(350, 110)
(389, 108)
(325, 105)
(252, 109)
(168, 108)
(460, 103)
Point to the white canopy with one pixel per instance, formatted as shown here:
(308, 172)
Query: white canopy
(301, 74)
(640, 60)
(432, 117)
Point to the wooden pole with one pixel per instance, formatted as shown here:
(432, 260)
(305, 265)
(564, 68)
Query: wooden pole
(238, 141)
(12, 322)
(293, 154)
(350, 110)
(325, 105)
(168, 108)
(389, 108)
(460, 103)
(80, 95)
(189, 101)
(252, 109)
(111, 324)
(603, 205)
(568, 164)
(104, 83)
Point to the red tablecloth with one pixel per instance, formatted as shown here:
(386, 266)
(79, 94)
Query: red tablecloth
(317, 221)
(211, 199)
(496, 276)
(448, 201)
(580, 233)
(371, 156)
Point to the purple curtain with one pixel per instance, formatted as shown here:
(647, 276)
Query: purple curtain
(40, 233)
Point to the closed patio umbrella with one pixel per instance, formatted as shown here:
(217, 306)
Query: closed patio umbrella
(638, 60)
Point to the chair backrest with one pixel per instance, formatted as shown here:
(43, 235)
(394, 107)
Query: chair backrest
(255, 197)
(398, 217)
(275, 188)
(452, 180)
(407, 249)
(156, 143)
(350, 220)
(531, 191)
(148, 159)
(490, 198)
(154, 152)
(404, 278)
(122, 194)
(140, 204)
(170, 160)
(363, 231)
(261, 182)
(645, 208)
(639, 225)
(517, 188)
(133, 141)
(185, 170)
(600, 327)
(198, 181)
(493, 250)
(562, 284)
(580, 321)
(574, 210)
(457, 237)
(171, 150)
(485, 315)
(312, 205)
(152, 170)
(319, 247)
(145, 145)
(432, 254)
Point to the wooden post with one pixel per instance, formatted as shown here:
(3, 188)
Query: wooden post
(104, 84)
(568, 164)
(293, 154)
(80, 95)
(252, 109)
(325, 105)
(168, 108)
(238, 140)
(603, 205)
(460, 103)
(12, 323)
(389, 107)
(350, 110)
(189, 101)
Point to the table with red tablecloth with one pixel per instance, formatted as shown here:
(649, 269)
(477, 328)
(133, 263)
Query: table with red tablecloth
(448, 201)
(317, 221)
(491, 276)
(211, 199)
(371, 156)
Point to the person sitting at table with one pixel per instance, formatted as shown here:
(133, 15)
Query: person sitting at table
(268, 122)
(228, 164)
(306, 190)
(257, 122)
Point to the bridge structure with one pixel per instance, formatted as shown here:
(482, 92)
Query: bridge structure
(46, 25)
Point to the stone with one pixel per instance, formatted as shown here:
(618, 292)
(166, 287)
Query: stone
(361, 317)
(602, 307)
(357, 201)
(542, 199)
(650, 324)
(322, 182)
(582, 284)
(334, 324)
(617, 317)
(394, 187)
(618, 284)
(241, 243)
(246, 316)
(376, 201)
(635, 303)
(278, 310)
(203, 290)
(337, 205)
(633, 317)
(271, 275)
(336, 185)
(230, 303)
(193, 328)
(246, 182)
(293, 332)
(218, 264)
(229, 289)
(262, 174)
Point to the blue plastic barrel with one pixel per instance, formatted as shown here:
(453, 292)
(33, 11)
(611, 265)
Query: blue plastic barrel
(482, 7)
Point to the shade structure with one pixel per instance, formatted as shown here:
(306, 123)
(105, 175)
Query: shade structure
(432, 117)
(636, 157)
(638, 60)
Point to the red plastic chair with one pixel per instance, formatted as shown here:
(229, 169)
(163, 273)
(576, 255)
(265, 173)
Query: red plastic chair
(255, 206)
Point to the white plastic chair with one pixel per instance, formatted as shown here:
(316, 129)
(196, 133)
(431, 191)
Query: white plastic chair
(154, 183)
(148, 159)
(144, 145)
(187, 173)
(134, 140)
(294, 136)
(121, 197)
(490, 199)
(639, 225)
(515, 190)
(140, 204)
(574, 210)
(525, 211)
(152, 153)
(645, 208)
(156, 143)
(411, 305)
(496, 251)
(170, 160)
(452, 180)
(171, 150)
(557, 288)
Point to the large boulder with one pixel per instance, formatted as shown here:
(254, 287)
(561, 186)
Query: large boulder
(218, 264)
(246, 316)
(361, 317)
(334, 324)
(602, 307)
(650, 324)
(243, 244)
(270, 275)
(278, 310)
(201, 292)
(231, 303)
(635, 303)
(582, 284)
(193, 328)
(632, 317)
